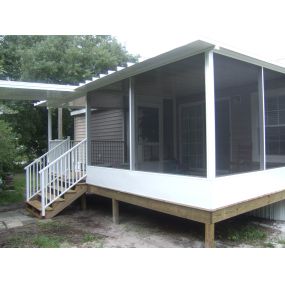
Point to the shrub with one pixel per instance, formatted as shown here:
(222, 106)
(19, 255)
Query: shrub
(8, 148)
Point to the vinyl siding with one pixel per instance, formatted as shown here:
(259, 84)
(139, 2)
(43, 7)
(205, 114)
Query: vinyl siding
(79, 128)
(107, 125)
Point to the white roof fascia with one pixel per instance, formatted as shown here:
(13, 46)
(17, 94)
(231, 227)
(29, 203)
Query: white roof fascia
(177, 54)
(78, 112)
(246, 57)
(36, 86)
(149, 64)
(40, 103)
(54, 94)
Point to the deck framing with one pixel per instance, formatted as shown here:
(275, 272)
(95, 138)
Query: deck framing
(207, 217)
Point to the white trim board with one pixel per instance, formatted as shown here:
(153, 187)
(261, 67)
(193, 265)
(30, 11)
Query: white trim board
(209, 194)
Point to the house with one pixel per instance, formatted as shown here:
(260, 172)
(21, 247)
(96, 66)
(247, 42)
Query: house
(197, 132)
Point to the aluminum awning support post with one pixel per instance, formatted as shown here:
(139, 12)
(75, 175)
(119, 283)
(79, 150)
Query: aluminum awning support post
(49, 126)
(59, 123)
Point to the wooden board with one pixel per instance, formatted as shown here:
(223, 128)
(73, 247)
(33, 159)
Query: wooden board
(194, 214)
(246, 206)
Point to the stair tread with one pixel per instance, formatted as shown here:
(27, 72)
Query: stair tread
(52, 196)
(60, 189)
(37, 204)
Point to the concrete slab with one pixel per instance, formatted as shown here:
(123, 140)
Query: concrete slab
(10, 224)
(13, 219)
(2, 226)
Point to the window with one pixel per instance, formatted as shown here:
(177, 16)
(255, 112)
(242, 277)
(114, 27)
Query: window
(275, 125)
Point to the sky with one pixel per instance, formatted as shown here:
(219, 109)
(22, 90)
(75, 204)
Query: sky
(249, 26)
(151, 27)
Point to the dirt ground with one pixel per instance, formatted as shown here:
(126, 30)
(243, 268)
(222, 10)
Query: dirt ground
(138, 228)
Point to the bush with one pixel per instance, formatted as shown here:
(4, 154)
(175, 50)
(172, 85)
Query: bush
(8, 148)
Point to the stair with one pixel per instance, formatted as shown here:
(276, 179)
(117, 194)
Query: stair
(34, 206)
(53, 184)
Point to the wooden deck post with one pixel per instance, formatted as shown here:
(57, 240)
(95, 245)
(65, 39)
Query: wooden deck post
(115, 210)
(83, 202)
(209, 235)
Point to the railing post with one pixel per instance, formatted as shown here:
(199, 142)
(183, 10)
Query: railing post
(43, 192)
(27, 184)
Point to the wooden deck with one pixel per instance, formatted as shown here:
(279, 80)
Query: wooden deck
(207, 217)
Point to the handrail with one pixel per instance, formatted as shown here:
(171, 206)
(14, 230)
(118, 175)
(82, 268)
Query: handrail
(33, 180)
(56, 160)
(62, 174)
(47, 153)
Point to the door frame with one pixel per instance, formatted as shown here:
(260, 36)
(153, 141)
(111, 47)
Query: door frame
(160, 127)
(180, 125)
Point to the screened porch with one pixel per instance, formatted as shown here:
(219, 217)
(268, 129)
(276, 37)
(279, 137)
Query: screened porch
(169, 120)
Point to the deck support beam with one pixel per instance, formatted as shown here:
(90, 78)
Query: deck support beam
(83, 202)
(115, 211)
(209, 235)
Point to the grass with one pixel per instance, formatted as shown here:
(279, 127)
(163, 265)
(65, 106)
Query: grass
(248, 233)
(37, 241)
(10, 197)
(51, 226)
(89, 237)
(43, 241)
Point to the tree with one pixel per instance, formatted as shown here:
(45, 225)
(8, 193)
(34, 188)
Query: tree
(53, 59)
(8, 148)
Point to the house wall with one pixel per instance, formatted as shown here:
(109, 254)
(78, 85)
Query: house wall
(79, 127)
(107, 125)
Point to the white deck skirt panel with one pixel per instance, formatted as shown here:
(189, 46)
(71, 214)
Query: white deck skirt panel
(190, 191)
(236, 188)
(178, 189)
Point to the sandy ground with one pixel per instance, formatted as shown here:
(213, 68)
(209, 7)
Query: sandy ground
(138, 228)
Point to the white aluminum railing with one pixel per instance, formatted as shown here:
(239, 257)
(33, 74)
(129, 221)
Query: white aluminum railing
(32, 170)
(62, 174)
(54, 143)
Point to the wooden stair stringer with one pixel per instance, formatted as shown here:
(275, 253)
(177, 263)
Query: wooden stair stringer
(69, 197)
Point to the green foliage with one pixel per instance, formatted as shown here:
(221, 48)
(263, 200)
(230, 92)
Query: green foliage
(16, 196)
(89, 237)
(246, 233)
(37, 241)
(53, 59)
(8, 148)
(43, 241)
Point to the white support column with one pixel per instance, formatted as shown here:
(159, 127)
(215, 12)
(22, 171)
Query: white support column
(210, 115)
(261, 120)
(49, 126)
(132, 123)
(59, 123)
(88, 127)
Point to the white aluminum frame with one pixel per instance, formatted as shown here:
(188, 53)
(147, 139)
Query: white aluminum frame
(210, 115)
